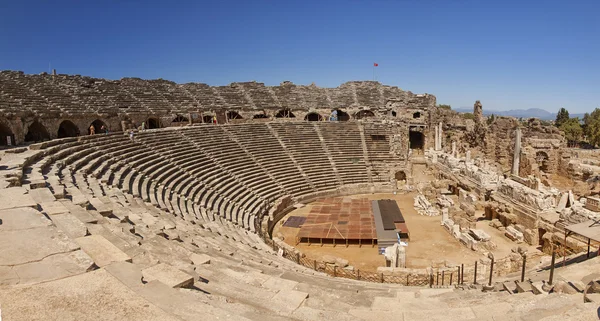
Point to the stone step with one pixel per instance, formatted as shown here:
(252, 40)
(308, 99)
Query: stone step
(101, 250)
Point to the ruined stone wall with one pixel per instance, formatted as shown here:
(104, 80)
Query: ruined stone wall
(48, 98)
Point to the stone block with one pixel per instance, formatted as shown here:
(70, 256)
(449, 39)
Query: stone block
(169, 275)
(530, 237)
(70, 225)
(102, 208)
(513, 234)
(15, 197)
(42, 195)
(456, 231)
(37, 183)
(53, 208)
(101, 250)
(200, 259)
(520, 228)
(479, 235)
(448, 225)
(287, 301)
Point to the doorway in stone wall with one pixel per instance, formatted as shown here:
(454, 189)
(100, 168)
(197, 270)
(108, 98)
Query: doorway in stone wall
(37, 132)
(67, 129)
(542, 160)
(313, 117)
(5, 133)
(541, 233)
(152, 123)
(416, 141)
(97, 124)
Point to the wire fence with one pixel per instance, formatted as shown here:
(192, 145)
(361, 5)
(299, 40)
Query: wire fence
(426, 278)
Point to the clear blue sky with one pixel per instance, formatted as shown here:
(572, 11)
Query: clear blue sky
(508, 54)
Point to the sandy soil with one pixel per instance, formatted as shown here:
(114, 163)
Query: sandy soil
(429, 241)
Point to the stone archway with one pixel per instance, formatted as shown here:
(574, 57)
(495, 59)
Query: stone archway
(152, 123)
(285, 113)
(231, 115)
(208, 119)
(37, 132)
(313, 117)
(180, 120)
(67, 129)
(416, 115)
(6, 134)
(97, 124)
(341, 115)
(543, 161)
(364, 114)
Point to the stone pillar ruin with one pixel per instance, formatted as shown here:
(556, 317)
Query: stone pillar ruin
(437, 138)
(454, 149)
(517, 152)
(440, 131)
(478, 112)
(468, 156)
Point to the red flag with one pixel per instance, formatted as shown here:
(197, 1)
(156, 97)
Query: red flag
(375, 64)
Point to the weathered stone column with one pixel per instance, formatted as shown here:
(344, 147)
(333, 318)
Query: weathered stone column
(440, 131)
(468, 156)
(437, 138)
(453, 149)
(517, 152)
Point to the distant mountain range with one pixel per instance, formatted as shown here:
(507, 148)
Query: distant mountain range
(519, 113)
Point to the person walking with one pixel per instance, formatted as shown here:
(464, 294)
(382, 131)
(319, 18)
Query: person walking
(131, 135)
(143, 125)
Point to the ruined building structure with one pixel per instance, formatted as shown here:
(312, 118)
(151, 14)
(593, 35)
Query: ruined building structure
(162, 199)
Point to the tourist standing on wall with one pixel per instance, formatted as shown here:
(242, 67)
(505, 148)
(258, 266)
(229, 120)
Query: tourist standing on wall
(131, 135)
(104, 130)
(143, 125)
(92, 130)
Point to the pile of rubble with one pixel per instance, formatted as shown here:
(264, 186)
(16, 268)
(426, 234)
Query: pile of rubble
(472, 238)
(424, 207)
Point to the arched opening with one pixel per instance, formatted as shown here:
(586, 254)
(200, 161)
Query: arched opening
(233, 115)
(98, 126)
(209, 119)
(152, 123)
(180, 120)
(260, 116)
(363, 114)
(394, 114)
(313, 117)
(67, 129)
(400, 176)
(339, 115)
(285, 113)
(37, 133)
(416, 140)
(542, 161)
(6, 135)
(417, 115)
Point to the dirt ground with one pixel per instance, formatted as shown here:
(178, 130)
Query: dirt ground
(429, 242)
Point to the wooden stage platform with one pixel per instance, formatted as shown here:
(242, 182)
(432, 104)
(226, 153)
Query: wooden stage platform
(339, 221)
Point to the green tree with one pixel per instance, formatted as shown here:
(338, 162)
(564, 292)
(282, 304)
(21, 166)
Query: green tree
(444, 106)
(468, 116)
(561, 117)
(491, 119)
(591, 123)
(573, 131)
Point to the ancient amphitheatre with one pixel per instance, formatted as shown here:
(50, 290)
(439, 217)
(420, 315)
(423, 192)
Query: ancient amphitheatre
(186, 219)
